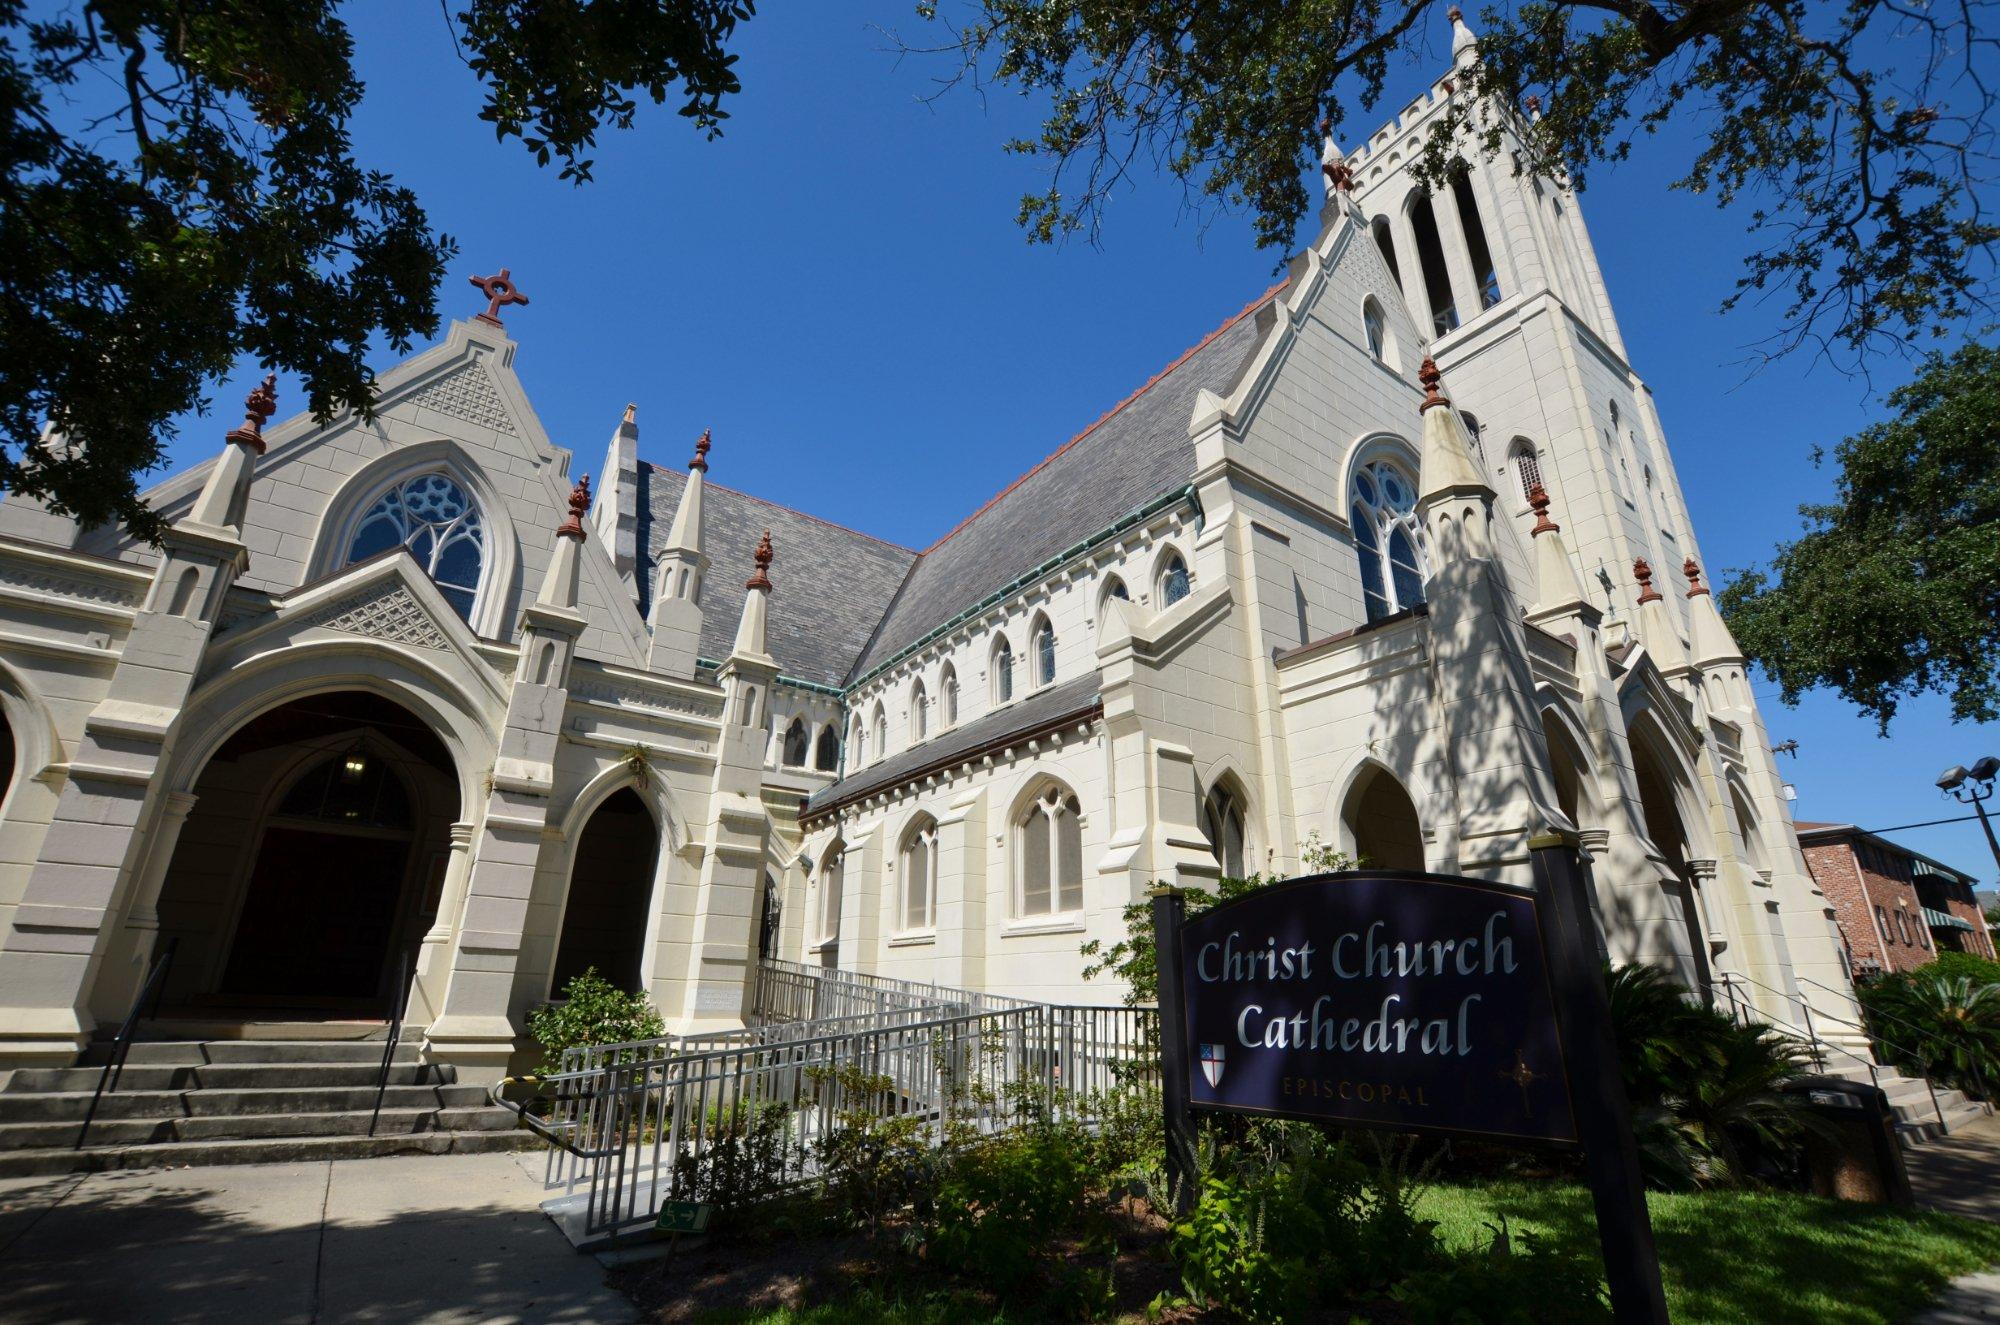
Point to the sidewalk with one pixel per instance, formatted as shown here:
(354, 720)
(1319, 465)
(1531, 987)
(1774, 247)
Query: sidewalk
(446, 1238)
(1960, 1174)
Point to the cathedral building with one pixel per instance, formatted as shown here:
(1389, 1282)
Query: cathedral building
(1393, 561)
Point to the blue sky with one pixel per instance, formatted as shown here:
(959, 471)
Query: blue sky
(837, 287)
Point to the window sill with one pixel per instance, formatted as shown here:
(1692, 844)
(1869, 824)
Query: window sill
(915, 939)
(1061, 924)
(822, 946)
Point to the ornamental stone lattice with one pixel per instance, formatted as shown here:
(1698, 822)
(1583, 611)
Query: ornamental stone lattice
(384, 614)
(470, 395)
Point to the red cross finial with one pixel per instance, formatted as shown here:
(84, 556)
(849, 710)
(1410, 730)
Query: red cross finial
(579, 506)
(258, 406)
(1538, 499)
(1693, 572)
(762, 579)
(1430, 377)
(1644, 574)
(700, 460)
(500, 291)
(1340, 175)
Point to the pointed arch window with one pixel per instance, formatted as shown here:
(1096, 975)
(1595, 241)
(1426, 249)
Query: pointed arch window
(826, 757)
(442, 527)
(1385, 539)
(920, 864)
(948, 697)
(1174, 581)
(1116, 589)
(881, 733)
(1222, 823)
(857, 741)
(1045, 654)
(1376, 327)
(1002, 671)
(1049, 845)
(1475, 239)
(1430, 254)
(1386, 245)
(795, 744)
(1527, 465)
(920, 712)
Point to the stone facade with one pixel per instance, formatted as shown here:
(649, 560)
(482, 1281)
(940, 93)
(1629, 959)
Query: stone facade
(1291, 591)
(1897, 909)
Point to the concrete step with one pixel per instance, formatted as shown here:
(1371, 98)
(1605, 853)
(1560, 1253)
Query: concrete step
(226, 1076)
(266, 1150)
(195, 1053)
(211, 1028)
(159, 1131)
(70, 1106)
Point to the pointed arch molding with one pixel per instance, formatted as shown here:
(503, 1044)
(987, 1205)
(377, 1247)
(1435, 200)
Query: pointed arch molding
(37, 747)
(652, 789)
(498, 579)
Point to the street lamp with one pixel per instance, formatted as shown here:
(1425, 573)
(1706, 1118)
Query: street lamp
(1972, 786)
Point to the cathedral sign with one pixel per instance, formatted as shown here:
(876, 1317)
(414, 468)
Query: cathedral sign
(1378, 999)
(1411, 1002)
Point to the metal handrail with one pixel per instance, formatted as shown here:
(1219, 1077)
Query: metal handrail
(1874, 1073)
(395, 1035)
(1978, 1078)
(114, 1066)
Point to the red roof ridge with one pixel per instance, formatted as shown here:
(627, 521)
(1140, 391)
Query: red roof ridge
(789, 510)
(1107, 416)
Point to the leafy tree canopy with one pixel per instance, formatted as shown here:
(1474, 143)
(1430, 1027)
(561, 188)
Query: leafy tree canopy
(177, 189)
(1894, 588)
(1852, 134)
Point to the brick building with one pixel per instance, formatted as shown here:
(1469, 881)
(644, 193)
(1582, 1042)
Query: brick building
(1896, 908)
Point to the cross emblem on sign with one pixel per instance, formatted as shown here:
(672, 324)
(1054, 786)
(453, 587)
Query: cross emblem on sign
(1522, 1076)
(499, 291)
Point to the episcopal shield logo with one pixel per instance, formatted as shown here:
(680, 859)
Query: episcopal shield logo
(1211, 1063)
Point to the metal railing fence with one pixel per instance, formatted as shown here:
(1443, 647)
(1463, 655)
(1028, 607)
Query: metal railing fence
(740, 1122)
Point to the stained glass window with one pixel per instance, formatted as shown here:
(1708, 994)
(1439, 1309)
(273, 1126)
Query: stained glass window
(1385, 539)
(440, 525)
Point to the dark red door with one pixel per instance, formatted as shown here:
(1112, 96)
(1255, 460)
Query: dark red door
(318, 916)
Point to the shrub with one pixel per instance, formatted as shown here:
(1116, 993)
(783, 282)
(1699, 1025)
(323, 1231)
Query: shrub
(1007, 1204)
(593, 1011)
(1705, 1092)
(1510, 1281)
(1970, 965)
(872, 1164)
(1945, 1027)
(741, 1159)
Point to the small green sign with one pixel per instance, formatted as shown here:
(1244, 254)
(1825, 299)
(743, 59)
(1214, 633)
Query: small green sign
(683, 1217)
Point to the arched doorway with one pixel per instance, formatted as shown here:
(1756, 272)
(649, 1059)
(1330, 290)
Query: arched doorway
(610, 889)
(1667, 831)
(314, 854)
(1382, 823)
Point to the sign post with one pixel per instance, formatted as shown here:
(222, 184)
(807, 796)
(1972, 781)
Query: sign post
(1603, 1114)
(1410, 1002)
(1169, 913)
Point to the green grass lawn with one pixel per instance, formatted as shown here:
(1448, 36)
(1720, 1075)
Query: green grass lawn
(1740, 1258)
(1759, 1258)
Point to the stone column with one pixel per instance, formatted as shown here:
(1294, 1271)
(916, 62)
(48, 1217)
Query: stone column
(132, 950)
(434, 954)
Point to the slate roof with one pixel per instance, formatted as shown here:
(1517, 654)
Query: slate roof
(1035, 712)
(1139, 451)
(831, 582)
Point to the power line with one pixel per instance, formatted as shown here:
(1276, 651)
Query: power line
(1928, 823)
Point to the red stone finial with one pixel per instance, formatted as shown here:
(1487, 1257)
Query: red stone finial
(500, 291)
(1340, 175)
(1455, 14)
(1534, 104)
(1538, 499)
(1693, 572)
(762, 579)
(632, 413)
(700, 460)
(579, 506)
(1448, 86)
(259, 405)
(1644, 574)
(1430, 377)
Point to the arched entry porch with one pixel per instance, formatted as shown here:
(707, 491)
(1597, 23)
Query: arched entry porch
(1662, 791)
(605, 914)
(313, 855)
(1381, 821)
